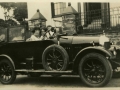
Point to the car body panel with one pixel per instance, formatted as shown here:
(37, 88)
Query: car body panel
(74, 45)
(85, 39)
(99, 48)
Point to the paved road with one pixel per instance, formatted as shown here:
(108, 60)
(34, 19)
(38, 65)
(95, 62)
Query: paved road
(24, 82)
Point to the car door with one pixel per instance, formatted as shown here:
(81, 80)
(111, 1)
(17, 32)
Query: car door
(22, 50)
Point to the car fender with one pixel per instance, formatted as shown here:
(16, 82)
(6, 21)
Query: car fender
(6, 56)
(98, 48)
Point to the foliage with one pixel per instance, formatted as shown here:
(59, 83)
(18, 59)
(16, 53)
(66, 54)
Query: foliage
(11, 22)
(7, 5)
(2, 23)
(20, 12)
(7, 23)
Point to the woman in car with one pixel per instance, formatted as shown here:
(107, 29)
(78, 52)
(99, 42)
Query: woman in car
(49, 33)
(36, 34)
(2, 37)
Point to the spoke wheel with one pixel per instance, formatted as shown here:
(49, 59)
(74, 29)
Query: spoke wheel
(55, 58)
(7, 74)
(95, 70)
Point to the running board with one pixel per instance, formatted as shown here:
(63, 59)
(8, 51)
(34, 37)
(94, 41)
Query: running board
(43, 71)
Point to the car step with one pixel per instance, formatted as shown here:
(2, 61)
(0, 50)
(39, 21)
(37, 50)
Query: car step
(43, 71)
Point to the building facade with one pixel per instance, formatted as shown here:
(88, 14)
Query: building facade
(90, 15)
(37, 20)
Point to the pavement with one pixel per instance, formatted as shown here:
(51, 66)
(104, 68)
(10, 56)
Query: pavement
(24, 82)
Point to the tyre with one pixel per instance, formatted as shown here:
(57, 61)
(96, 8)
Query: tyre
(116, 73)
(7, 73)
(55, 58)
(95, 70)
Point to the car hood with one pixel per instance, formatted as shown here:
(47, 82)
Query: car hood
(79, 39)
(85, 39)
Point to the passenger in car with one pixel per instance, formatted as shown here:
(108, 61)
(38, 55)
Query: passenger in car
(49, 33)
(36, 34)
(43, 33)
(2, 37)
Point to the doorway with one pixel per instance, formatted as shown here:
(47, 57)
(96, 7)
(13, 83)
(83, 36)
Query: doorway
(92, 11)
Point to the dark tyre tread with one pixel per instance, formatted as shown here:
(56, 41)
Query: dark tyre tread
(63, 53)
(104, 61)
(13, 72)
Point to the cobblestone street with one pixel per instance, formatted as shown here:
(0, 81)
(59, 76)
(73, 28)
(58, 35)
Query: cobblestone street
(47, 82)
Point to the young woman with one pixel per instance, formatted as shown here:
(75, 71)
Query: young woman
(36, 34)
(49, 33)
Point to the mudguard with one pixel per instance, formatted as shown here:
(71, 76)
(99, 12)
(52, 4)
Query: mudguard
(6, 56)
(98, 48)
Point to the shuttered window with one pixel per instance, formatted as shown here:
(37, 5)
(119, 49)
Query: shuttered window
(57, 8)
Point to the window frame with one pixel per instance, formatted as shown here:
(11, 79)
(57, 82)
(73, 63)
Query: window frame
(57, 8)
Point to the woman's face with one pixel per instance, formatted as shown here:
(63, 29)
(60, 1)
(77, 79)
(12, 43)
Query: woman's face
(49, 28)
(22, 30)
(43, 32)
(37, 32)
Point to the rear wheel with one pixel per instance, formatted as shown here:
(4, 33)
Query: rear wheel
(7, 74)
(95, 70)
(55, 58)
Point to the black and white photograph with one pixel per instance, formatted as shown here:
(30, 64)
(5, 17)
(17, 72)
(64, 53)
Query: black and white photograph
(59, 44)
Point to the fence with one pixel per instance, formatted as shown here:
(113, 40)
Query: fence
(98, 20)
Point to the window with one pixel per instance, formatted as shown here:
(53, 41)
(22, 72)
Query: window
(57, 8)
(16, 34)
(3, 34)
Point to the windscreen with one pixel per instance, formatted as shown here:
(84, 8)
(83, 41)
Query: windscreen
(3, 34)
(16, 34)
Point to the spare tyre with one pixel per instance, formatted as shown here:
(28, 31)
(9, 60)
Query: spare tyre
(55, 58)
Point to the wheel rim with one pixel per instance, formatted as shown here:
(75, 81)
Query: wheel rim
(94, 71)
(5, 72)
(54, 60)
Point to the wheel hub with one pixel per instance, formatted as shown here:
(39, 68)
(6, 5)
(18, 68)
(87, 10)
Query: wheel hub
(54, 59)
(94, 71)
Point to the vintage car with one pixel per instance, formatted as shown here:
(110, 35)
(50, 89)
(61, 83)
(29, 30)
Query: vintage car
(93, 58)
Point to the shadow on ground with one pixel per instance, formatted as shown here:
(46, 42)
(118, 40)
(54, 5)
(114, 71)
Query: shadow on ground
(54, 82)
(50, 81)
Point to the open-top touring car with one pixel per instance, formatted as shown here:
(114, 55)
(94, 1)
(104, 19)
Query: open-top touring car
(91, 57)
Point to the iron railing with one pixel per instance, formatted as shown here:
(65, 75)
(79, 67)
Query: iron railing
(99, 20)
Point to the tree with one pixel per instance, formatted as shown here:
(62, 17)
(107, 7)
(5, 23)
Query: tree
(7, 6)
(21, 12)
(11, 22)
(2, 22)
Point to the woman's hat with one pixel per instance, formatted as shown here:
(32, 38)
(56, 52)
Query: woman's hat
(35, 28)
(49, 26)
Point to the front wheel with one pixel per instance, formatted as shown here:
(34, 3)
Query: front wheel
(7, 73)
(95, 70)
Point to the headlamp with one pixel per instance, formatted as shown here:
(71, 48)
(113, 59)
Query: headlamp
(104, 41)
